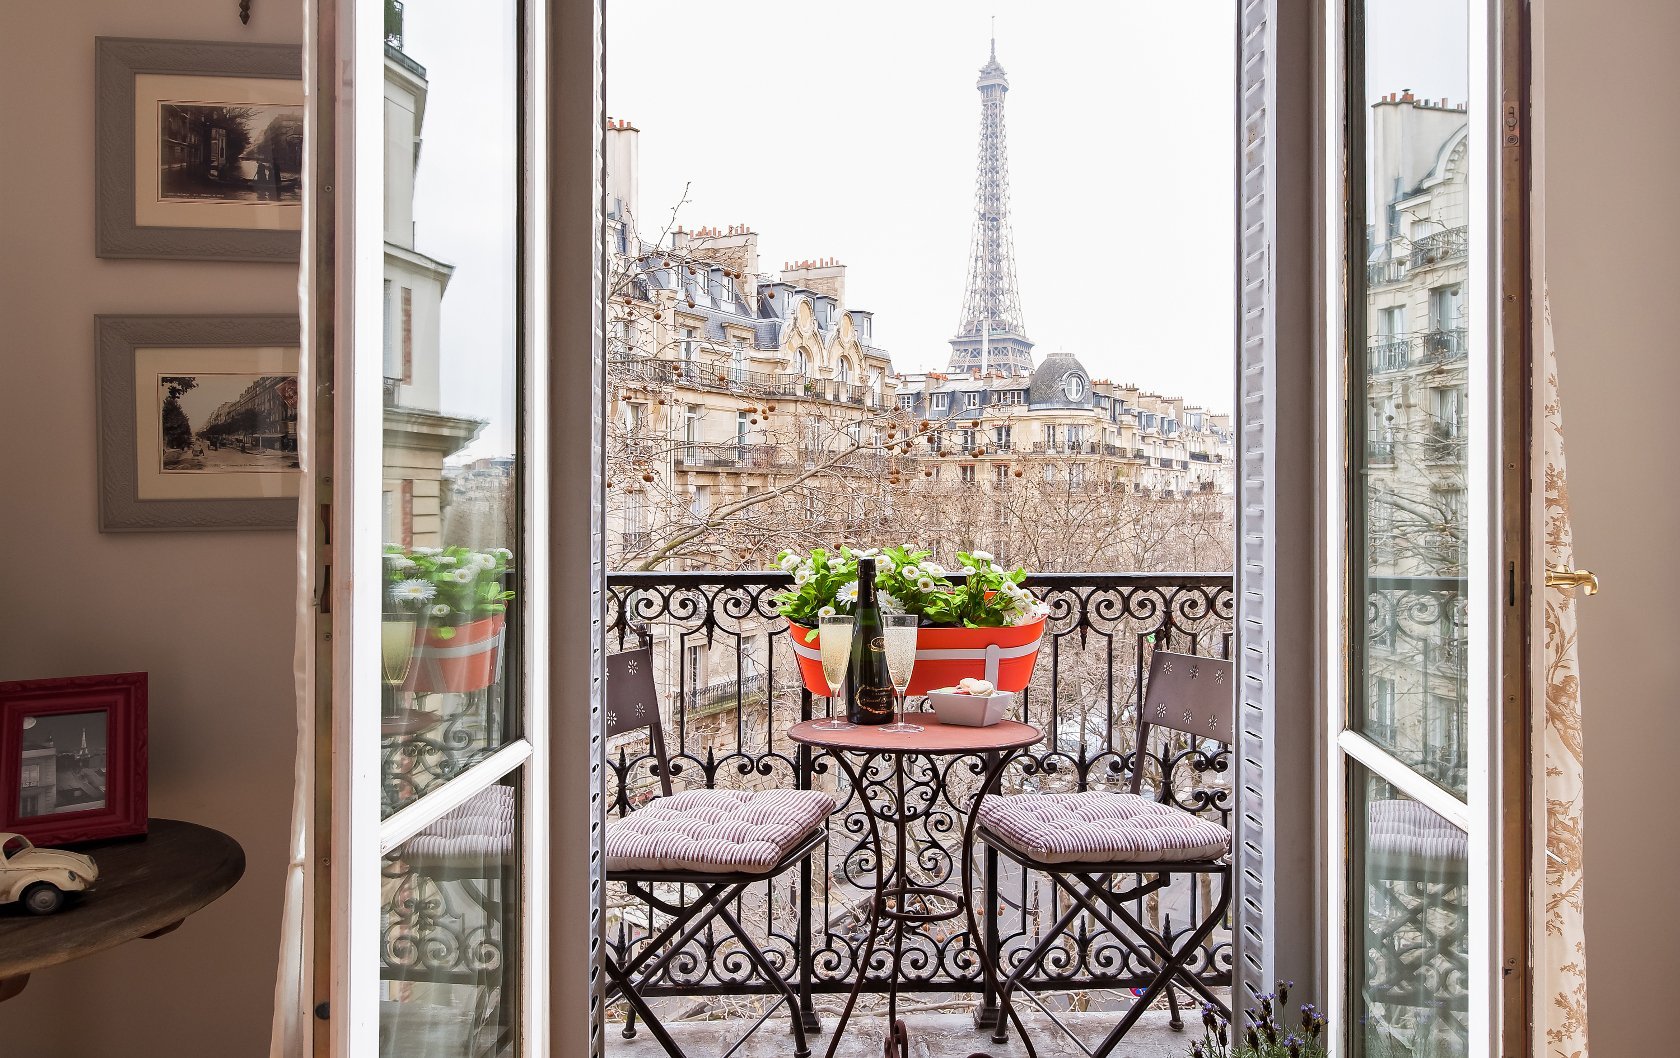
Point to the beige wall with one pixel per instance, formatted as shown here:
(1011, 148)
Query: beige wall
(1612, 224)
(209, 615)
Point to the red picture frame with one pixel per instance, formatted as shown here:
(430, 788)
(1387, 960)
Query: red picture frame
(85, 737)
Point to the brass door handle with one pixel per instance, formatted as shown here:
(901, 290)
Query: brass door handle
(1570, 579)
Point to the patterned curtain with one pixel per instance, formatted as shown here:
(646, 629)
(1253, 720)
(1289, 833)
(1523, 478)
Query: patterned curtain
(1563, 968)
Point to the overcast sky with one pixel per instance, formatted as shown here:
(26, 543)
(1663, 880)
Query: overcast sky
(849, 130)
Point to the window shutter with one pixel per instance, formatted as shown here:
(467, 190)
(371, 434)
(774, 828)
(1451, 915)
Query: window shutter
(1256, 426)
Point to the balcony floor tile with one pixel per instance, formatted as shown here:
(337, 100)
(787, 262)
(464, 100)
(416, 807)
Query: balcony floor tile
(931, 1036)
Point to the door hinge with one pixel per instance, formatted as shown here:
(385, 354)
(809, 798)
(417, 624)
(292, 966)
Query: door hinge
(1513, 125)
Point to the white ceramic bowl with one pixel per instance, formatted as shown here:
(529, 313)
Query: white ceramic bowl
(971, 710)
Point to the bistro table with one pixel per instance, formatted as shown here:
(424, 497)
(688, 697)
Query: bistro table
(890, 908)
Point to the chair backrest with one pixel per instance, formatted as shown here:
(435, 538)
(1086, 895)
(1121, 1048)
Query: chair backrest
(1186, 693)
(633, 702)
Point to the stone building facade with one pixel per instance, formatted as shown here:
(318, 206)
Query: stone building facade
(1416, 392)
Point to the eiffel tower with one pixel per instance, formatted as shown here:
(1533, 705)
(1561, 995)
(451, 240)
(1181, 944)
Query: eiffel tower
(992, 336)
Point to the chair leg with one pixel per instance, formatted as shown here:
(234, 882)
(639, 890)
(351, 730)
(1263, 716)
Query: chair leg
(1172, 964)
(1006, 990)
(1160, 947)
(1122, 934)
(801, 1049)
(639, 1005)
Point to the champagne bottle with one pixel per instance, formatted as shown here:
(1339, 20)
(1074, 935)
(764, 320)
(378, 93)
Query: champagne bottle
(869, 691)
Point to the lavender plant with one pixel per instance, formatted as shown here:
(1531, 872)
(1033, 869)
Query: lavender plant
(1267, 1035)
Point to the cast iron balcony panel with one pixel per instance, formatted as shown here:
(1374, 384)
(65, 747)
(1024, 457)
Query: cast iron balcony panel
(1441, 248)
(722, 733)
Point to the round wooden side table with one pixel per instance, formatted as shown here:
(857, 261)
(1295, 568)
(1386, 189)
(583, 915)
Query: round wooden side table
(147, 887)
(889, 909)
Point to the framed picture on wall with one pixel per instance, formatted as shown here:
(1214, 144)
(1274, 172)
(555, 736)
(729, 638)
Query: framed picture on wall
(197, 422)
(199, 150)
(73, 758)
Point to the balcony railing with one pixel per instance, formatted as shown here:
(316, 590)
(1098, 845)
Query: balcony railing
(1445, 345)
(742, 456)
(1084, 695)
(1390, 353)
(1441, 248)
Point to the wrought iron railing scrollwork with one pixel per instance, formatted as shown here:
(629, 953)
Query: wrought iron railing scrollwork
(1099, 632)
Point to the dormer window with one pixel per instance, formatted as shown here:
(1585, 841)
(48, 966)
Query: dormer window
(1073, 384)
(971, 400)
(941, 401)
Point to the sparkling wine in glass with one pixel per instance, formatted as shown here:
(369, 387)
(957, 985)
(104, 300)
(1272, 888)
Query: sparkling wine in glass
(834, 637)
(899, 631)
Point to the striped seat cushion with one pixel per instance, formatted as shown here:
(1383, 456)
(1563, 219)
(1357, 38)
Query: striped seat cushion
(1099, 827)
(1406, 830)
(715, 831)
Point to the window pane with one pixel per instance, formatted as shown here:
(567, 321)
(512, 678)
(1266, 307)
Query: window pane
(449, 929)
(451, 630)
(1410, 907)
(1412, 400)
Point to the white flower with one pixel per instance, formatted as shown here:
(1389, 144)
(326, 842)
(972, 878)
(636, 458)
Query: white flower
(428, 551)
(413, 591)
(933, 569)
(446, 560)
(967, 571)
(981, 556)
(827, 611)
(789, 563)
(883, 564)
(802, 575)
(440, 609)
(848, 594)
(910, 572)
(399, 562)
(464, 576)
(889, 602)
(507, 556)
(485, 560)
(925, 584)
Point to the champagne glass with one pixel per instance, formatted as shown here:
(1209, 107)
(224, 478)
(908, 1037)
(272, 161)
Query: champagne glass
(899, 630)
(834, 637)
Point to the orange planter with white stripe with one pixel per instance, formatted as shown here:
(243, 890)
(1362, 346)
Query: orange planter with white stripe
(1005, 656)
(469, 660)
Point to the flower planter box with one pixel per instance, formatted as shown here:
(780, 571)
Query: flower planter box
(1005, 656)
(469, 660)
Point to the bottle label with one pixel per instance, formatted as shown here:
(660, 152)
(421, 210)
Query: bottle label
(876, 700)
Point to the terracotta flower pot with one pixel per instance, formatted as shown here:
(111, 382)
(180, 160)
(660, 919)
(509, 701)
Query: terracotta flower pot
(1005, 656)
(469, 660)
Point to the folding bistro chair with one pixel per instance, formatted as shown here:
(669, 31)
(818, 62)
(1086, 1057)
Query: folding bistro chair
(718, 841)
(1082, 840)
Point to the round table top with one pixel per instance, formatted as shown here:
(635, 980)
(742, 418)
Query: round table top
(934, 737)
(144, 886)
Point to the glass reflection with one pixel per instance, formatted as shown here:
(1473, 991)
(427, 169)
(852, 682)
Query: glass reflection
(451, 629)
(1413, 383)
(1411, 873)
(450, 896)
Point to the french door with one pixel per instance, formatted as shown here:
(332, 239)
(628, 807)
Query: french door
(1421, 555)
(435, 883)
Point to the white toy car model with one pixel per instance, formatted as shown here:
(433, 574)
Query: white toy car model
(39, 878)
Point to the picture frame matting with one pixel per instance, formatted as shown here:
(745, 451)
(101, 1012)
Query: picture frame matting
(123, 505)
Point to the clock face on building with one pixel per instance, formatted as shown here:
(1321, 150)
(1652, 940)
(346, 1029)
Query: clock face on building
(1074, 386)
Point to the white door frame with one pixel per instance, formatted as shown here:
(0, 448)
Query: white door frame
(1479, 813)
(350, 34)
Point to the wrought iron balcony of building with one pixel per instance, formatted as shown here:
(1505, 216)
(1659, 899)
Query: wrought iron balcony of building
(1442, 247)
(727, 732)
(1444, 346)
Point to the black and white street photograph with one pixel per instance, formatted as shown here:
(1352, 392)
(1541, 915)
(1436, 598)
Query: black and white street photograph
(214, 423)
(64, 764)
(229, 153)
